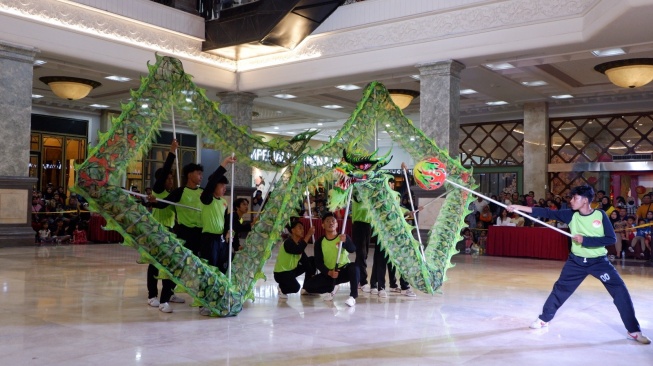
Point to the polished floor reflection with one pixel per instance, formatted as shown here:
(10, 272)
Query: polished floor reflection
(87, 305)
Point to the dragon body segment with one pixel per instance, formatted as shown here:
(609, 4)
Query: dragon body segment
(167, 90)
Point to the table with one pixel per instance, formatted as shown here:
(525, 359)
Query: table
(531, 242)
(96, 233)
(319, 231)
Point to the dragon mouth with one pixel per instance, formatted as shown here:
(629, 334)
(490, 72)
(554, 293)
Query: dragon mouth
(343, 181)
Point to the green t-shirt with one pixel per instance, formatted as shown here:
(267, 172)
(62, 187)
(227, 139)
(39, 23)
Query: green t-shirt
(588, 226)
(165, 216)
(286, 261)
(358, 213)
(213, 216)
(188, 217)
(330, 252)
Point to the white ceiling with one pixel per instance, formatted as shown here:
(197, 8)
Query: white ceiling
(556, 52)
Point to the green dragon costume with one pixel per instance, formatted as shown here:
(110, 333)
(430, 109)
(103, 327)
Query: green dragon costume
(168, 89)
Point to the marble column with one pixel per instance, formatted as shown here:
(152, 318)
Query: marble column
(239, 106)
(440, 103)
(16, 72)
(536, 148)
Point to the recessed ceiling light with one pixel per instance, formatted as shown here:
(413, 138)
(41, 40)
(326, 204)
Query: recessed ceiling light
(498, 102)
(37, 96)
(284, 96)
(348, 87)
(500, 66)
(39, 62)
(534, 83)
(468, 91)
(99, 106)
(332, 106)
(121, 79)
(608, 52)
(319, 123)
(562, 96)
(276, 127)
(416, 77)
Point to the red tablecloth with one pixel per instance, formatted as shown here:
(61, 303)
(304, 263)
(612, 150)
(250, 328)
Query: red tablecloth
(533, 242)
(319, 231)
(96, 233)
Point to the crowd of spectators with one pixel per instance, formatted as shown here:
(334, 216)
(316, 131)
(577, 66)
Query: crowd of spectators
(56, 216)
(632, 223)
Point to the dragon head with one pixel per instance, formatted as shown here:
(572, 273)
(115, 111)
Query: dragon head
(356, 166)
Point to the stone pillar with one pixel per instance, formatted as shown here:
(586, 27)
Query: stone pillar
(440, 103)
(239, 106)
(16, 72)
(536, 148)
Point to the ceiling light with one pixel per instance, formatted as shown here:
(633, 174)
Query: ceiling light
(562, 96)
(498, 102)
(99, 106)
(348, 87)
(69, 88)
(319, 123)
(499, 66)
(37, 96)
(631, 73)
(468, 91)
(284, 96)
(534, 83)
(608, 52)
(332, 106)
(276, 127)
(39, 62)
(402, 97)
(121, 79)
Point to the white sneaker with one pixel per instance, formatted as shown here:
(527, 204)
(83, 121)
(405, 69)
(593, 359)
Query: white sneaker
(335, 290)
(630, 249)
(639, 337)
(205, 312)
(539, 323)
(366, 288)
(177, 299)
(408, 293)
(395, 289)
(374, 291)
(165, 307)
(383, 294)
(153, 302)
(350, 301)
(281, 294)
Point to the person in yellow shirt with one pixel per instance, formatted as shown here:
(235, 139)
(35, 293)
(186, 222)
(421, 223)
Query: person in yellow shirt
(645, 207)
(292, 261)
(334, 270)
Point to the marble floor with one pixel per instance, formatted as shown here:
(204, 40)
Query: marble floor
(86, 305)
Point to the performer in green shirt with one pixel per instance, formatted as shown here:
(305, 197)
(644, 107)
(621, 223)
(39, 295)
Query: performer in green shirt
(334, 270)
(292, 261)
(163, 185)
